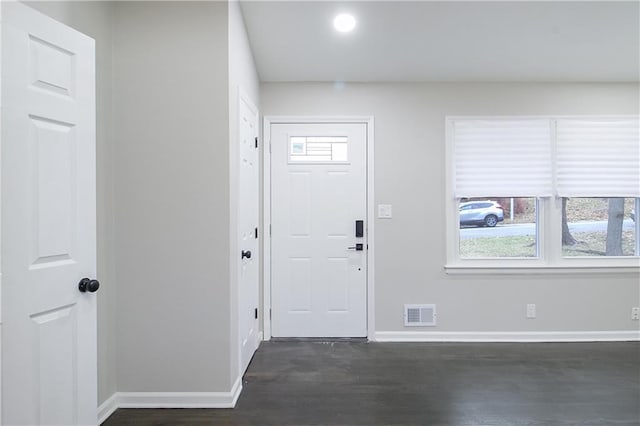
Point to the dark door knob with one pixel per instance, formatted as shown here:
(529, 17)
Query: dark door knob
(86, 284)
(246, 254)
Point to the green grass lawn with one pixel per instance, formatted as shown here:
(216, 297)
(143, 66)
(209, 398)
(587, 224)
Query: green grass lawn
(514, 246)
(595, 243)
(589, 244)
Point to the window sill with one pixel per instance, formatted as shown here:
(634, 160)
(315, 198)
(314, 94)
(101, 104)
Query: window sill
(542, 270)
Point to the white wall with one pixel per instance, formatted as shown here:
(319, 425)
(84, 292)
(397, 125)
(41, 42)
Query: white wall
(94, 19)
(172, 196)
(242, 76)
(410, 175)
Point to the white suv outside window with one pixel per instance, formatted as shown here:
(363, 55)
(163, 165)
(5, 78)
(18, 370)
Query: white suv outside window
(481, 213)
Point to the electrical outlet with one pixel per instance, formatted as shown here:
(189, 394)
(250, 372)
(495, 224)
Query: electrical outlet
(635, 314)
(531, 310)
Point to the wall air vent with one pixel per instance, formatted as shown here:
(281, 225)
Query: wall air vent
(419, 315)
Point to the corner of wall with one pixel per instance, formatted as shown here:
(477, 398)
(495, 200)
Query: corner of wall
(242, 77)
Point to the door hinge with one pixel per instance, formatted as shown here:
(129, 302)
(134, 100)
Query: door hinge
(269, 229)
(256, 141)
(256, 313)
(269, 147)
(256, 232)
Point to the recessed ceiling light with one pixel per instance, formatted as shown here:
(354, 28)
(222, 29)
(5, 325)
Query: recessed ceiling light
(344, 22)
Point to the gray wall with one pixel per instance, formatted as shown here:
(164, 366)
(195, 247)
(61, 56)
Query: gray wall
(410, 175)
(95, 19)
(172, 196)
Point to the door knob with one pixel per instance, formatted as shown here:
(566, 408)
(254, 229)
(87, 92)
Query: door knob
(358, 247)
(246, 254)
(86, 284)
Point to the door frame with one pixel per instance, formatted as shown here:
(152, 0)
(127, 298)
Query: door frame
(266, 208)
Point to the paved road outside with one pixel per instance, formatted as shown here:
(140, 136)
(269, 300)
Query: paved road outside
(507, 230)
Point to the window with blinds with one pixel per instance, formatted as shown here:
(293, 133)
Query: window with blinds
(598, 158)
(502, 158)
(587, 157)
(583, 171)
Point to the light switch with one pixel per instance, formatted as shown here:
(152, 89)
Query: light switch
(384, 211)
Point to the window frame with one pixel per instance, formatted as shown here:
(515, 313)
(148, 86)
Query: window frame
(549, 223)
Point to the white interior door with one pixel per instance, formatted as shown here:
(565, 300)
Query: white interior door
(319, 263)
(48, 221)
(248, 217)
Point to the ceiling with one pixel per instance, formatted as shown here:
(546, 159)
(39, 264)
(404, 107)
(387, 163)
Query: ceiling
(396, 41)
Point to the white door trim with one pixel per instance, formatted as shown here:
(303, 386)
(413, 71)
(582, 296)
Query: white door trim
(266, 248)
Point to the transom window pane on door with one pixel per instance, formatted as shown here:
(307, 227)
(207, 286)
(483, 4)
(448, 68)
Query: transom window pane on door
(309, 149)
(493, 227)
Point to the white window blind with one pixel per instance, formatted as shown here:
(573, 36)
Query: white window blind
(598, 157)
(502, 158)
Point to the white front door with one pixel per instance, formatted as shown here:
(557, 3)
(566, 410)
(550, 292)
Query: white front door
(248, 217)
(319, 244)
(48, 222)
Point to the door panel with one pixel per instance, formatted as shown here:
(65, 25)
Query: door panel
(53, 166)
(300, 200)
(318, 179)
(300, 294)
(248, 217)
(57, 343)
(338, 284)
(49, 357)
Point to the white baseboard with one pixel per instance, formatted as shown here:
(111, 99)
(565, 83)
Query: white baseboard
(508, 336)
(235, 391)
(170, 400)
(107, 408)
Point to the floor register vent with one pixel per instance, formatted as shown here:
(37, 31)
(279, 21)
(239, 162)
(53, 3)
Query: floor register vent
(419, 315)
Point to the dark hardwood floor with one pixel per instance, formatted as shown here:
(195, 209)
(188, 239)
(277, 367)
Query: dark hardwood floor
(359, 383)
